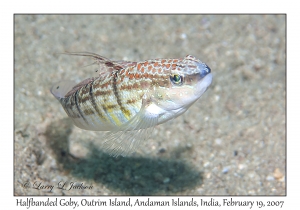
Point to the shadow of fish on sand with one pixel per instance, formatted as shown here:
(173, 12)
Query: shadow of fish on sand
(123, 175)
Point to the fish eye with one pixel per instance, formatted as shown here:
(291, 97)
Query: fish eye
(176, 79)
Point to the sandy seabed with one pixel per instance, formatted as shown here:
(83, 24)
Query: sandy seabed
(230, 142)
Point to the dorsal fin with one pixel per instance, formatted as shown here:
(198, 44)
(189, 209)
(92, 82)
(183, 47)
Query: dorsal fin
(126, 64)
(106, 66)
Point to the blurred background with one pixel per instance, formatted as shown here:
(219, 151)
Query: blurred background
(230, 142)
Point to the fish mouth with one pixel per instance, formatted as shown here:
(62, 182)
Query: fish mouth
(204, 70)
(203, 84)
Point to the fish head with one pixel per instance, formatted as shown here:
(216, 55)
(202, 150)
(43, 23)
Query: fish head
(187, 82)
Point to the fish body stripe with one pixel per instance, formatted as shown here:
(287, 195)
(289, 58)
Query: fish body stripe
(78, 107)
(125, 111)
(93, 102)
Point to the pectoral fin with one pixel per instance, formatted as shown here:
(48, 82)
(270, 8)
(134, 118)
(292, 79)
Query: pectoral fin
(125, 140)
